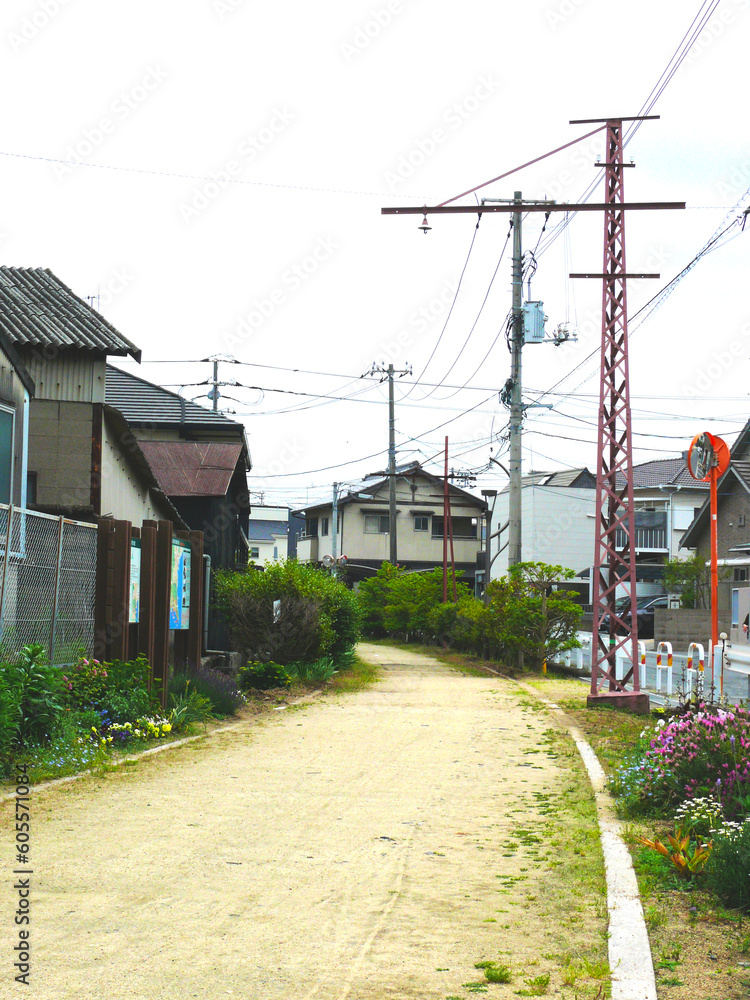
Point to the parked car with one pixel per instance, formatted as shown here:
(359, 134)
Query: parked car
(646, 606)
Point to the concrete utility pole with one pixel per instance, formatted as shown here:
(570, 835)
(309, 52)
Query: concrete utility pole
(389, 372)
(516, 401)
(335, 523)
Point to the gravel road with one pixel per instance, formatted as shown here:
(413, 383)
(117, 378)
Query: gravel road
(347, 849)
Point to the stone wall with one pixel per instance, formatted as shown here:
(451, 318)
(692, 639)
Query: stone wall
(681, 626)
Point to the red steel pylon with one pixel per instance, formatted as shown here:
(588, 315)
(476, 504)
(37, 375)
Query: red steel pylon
(614, 565)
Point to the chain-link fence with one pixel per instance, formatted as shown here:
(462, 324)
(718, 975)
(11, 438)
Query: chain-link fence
(47, 584)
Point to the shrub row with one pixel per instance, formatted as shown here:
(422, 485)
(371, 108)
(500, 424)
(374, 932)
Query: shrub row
(523, 614)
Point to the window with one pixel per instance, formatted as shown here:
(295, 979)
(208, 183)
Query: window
(463, 527)
(740, 520)
(254, 552)
(740, 574)
(276, 552)
(421, 523)
(311, 527)
(6, 454)
(376, 524)
(324, 525)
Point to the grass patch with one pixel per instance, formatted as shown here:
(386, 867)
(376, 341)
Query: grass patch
(357, 676)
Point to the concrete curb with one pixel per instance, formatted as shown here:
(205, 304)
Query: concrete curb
(630, 961)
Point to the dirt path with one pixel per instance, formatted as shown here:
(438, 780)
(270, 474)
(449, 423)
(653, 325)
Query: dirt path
(364, 847)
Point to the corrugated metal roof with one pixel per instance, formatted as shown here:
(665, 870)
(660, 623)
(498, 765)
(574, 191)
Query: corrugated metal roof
(142, 402)
(38, 310)
(192, 468)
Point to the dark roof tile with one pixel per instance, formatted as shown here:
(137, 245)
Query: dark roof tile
(38, 310)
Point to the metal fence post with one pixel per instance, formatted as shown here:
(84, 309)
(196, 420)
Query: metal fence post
(56, 597)
(5, 565)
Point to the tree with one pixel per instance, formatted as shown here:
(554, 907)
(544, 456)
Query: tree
(691, 579)
(526, 615)
(373, 595)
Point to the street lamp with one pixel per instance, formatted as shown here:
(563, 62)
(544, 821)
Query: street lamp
(488, 534)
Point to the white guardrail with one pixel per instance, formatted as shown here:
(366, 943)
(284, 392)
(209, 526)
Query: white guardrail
(662, 670)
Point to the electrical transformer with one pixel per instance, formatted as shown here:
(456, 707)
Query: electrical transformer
(533, 322)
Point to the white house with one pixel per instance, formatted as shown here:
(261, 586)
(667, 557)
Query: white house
(363, 525)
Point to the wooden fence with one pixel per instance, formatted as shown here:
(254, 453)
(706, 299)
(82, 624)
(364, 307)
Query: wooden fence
(123, 595)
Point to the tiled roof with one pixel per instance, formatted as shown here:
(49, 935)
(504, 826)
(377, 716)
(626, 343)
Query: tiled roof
(38, 310)
(142, 402)
(192, 468)
(264, 531)
(662, 472)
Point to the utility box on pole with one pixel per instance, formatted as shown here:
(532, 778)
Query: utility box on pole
(533, 322)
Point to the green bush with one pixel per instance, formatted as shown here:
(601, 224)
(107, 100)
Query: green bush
(318, 672)
(187, 706)
(263, 676)
(39, 691)
(222, 691)
(373, 595)
(289, 612)
(411, 599)
(728, 868)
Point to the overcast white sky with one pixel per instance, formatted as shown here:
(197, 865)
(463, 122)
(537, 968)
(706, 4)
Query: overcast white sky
(310, 118)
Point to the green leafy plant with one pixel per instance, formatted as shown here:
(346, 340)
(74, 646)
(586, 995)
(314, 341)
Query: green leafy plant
(318, 672)
(188, 707)
(728, 871)
(263, 677)
(40, 697)
(289, 612)
(688, 856)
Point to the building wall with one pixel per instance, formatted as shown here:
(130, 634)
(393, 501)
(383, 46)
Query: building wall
(69, 376)
(556, 527)
(14, 395)
(412, 546)
(124, 494)
(60, 437)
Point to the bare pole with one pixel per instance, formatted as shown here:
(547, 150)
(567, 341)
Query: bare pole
(392, 531)
(516, 401)
(445, 527)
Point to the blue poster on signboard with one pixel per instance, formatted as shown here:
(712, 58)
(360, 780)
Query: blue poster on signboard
(179, 591)
(135, 579)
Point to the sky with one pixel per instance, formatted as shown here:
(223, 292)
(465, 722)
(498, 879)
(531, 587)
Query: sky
(212, 173)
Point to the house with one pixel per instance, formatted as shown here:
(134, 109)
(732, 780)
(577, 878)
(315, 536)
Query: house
(363, 525)
(733, 534)
(559, 523)
(16, 390)
(81, 459)
(200, 459)
(272, 534)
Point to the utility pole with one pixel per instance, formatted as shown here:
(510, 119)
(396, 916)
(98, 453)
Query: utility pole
(514, 385)
(335, 523)
(215, 387)
(516, 402)
(389, 372)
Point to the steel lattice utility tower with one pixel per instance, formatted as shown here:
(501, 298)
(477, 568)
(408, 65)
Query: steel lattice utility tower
(614, 491)
(614, 555)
